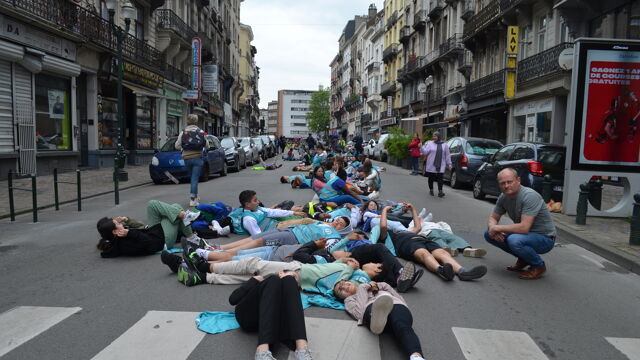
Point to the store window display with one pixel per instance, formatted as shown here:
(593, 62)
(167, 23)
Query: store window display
(146, 122)
(107, 123)
(53, 115)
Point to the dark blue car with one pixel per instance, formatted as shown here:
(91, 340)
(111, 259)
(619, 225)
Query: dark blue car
(169, 159)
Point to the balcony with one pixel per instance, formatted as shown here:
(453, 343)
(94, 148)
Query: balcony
(373, 66)
(388, 88)
(506, 5)
(177, 76)
(168, 20)
(542, 65)
(435, 8)
(390, 52)
(352, 102)
(373, 99)
(393, 18)
(420, 20)
(489, 85)
(405, 33)
(432, 56)
(468, 10)
(482, 19)
(452, 47)
(365, 118)
(465, 63)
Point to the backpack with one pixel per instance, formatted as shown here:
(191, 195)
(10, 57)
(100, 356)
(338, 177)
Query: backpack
(193, 140)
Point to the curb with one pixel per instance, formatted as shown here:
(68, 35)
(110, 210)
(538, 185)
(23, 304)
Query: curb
(618, 257)
(43, 207)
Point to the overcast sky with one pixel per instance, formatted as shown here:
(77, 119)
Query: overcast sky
(297, 39)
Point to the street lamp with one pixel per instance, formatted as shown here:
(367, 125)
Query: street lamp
(424, 89)
(128, 12)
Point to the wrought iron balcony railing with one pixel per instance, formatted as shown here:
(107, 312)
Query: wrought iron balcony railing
(488, 85)
(177, 76)
(390, 52)
(541, 65)
(167, 19)
(405, 33)
(435, 8)
(393, 18)
(468, 9)
(483, 18)
(452, 46)
(465, 63)
(420, 19)
(365, 118)
(373, 66)
(506, 5)
(388, 88)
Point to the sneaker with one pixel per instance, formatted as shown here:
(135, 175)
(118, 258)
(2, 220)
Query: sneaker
(380, 310)
(225, 231)
(171, 260)
(428, 218)
(211, 246)
(188, 276)
(452, 252)
(440, 194)
(285, 205)
(265, 355)
(194, 241)
(431, 192)
(422, 212)
(404, 281)
(189, 217)
(473, 252)
(303, 354)
(446, 272)
(193, 202)
(374, 195)
(222, 231)
(193, 260)
(475, 273)
(418, 274)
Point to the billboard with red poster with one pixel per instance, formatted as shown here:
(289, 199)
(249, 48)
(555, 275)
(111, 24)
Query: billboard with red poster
(607, 113)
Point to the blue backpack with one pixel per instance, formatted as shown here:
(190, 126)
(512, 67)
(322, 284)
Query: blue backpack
(193, 140)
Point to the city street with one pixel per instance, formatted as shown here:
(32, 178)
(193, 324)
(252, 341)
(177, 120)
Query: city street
(584, 307)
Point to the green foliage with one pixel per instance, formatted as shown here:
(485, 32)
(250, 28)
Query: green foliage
(319, 115)
(428, 134)
(398, 143)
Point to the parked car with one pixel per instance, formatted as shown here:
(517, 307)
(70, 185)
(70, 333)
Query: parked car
(169, 159)
(380, 149)
(275, 144)
(368, 148)
(467, 155)
(260, 146)
(234, 154)
(532, 161)
(251, 150)
(269, 146)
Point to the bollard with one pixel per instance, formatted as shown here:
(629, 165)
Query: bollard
(34, 197)
(79, 190)
(583, 198)
(634, 236)
(55, 189)
(115, 185)
(546, 189)
(595, 193)
(11, 205)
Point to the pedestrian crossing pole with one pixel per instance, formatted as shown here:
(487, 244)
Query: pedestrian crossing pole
(634, 236)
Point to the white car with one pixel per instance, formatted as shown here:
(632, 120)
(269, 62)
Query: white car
(250, 149)
(368, 148)
(380, 150)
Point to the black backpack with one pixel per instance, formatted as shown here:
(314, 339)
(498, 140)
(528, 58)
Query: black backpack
(193, 140)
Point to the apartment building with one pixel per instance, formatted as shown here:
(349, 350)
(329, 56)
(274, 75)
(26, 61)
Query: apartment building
(293, 106)
(392, 57)
(272, 122)
(249, 76)
(372, 74)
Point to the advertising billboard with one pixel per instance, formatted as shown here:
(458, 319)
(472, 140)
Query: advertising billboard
(607, 107)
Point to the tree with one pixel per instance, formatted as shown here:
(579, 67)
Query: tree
(319, 115)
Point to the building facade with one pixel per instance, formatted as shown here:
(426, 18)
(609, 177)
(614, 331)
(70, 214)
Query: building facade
(249, 76)
(392, 57)
(272, 118)
(293, 106)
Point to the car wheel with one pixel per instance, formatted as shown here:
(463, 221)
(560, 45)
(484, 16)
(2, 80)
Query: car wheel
(205, 174)
(454, 180)
(224, 170)
(477, 189)
(383, 157)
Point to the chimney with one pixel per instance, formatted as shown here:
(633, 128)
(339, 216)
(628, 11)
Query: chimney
(372, 11)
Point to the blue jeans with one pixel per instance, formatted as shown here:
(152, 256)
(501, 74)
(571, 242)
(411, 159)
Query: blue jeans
(524, 247)
(194, 166)
(415, 164)
(344, 199)
(263, 253)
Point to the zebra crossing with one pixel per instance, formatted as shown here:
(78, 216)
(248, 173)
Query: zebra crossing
(173, 335)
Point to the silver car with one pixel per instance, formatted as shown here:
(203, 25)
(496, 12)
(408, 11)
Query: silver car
(250, 149)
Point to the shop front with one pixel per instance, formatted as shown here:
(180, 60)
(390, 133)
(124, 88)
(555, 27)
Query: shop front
(533, 121)
(38, 124)
(489, 122)
(175, 115)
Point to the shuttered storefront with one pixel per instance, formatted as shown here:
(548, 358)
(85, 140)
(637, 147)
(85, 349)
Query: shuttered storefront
(6, 108)
(25, 120)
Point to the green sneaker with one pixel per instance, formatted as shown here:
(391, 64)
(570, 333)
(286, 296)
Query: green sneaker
(189, 277)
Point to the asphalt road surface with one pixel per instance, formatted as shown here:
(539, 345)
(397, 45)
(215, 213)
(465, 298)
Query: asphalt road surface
(60, 300)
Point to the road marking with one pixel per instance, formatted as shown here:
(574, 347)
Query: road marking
(340, 340)
(158, 335)
(627, 346)
(478, 344)
(23, 323)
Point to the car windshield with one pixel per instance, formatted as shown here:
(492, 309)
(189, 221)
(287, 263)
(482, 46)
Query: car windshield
(265, 138)
(169, 146)
(227, 143)
(245, 142)
(257, 141)
(475, 147)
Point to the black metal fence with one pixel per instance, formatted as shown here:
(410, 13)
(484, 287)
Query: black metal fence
(488, 85)
(169, 20)
(541, 65)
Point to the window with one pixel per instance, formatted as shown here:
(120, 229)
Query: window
(298, 117)
(299, 124)
(542, 28)
(522, 152)
(53, 113)
(145, 122)
(140, 23)
(504, 153)
(456, 146)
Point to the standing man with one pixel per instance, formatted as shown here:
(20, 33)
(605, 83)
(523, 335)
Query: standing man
(532, 233)
(357, 144)
(438, 158)
(192, 142)
(311, 142)
(283, 143)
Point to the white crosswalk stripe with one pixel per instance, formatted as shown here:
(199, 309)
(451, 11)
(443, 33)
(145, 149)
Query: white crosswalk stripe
(479, 344)
(158, 335)
(23, 323)
(629, 347)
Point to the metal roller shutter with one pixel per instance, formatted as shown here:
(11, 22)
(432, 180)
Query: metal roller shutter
(6, 108)
(23, 100)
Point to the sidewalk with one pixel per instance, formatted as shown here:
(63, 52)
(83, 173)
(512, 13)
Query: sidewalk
(93, 182)
(607, 237)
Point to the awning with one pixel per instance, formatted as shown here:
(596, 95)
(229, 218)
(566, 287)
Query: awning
(423, 116)
(10, 51)
(372, 131)
(442, 124)
(60, 66)
(141, 91)
(198, 108)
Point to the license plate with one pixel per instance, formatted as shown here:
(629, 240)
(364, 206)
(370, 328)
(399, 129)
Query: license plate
(557, 188)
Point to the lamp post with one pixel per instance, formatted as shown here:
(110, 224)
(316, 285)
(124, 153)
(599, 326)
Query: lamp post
(128, 12)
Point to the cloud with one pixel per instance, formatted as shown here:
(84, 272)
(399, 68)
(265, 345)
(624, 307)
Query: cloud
(297, 39)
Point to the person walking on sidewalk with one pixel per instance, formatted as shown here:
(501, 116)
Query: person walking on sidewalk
(192, 142)
(532, 232)
(438, 158)
(414, 152)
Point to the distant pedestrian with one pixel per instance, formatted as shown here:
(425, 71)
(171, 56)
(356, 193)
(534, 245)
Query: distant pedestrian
(532, 232)
(283, 143)
(311, 142)
(357, 144)
(192, 142)
(414, 152)
(438, 158)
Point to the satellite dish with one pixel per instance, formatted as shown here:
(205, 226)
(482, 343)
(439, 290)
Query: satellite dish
(422, 88)
(565, 59)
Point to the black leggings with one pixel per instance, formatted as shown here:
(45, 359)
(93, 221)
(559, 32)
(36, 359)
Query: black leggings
(399, 322)
(275, 313)
(378, 253)
(437, 177)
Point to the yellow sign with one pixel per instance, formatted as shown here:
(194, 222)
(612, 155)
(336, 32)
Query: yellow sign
(510, 85)
(512, 40)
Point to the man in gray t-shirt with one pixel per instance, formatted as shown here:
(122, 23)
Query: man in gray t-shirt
(532, 232)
